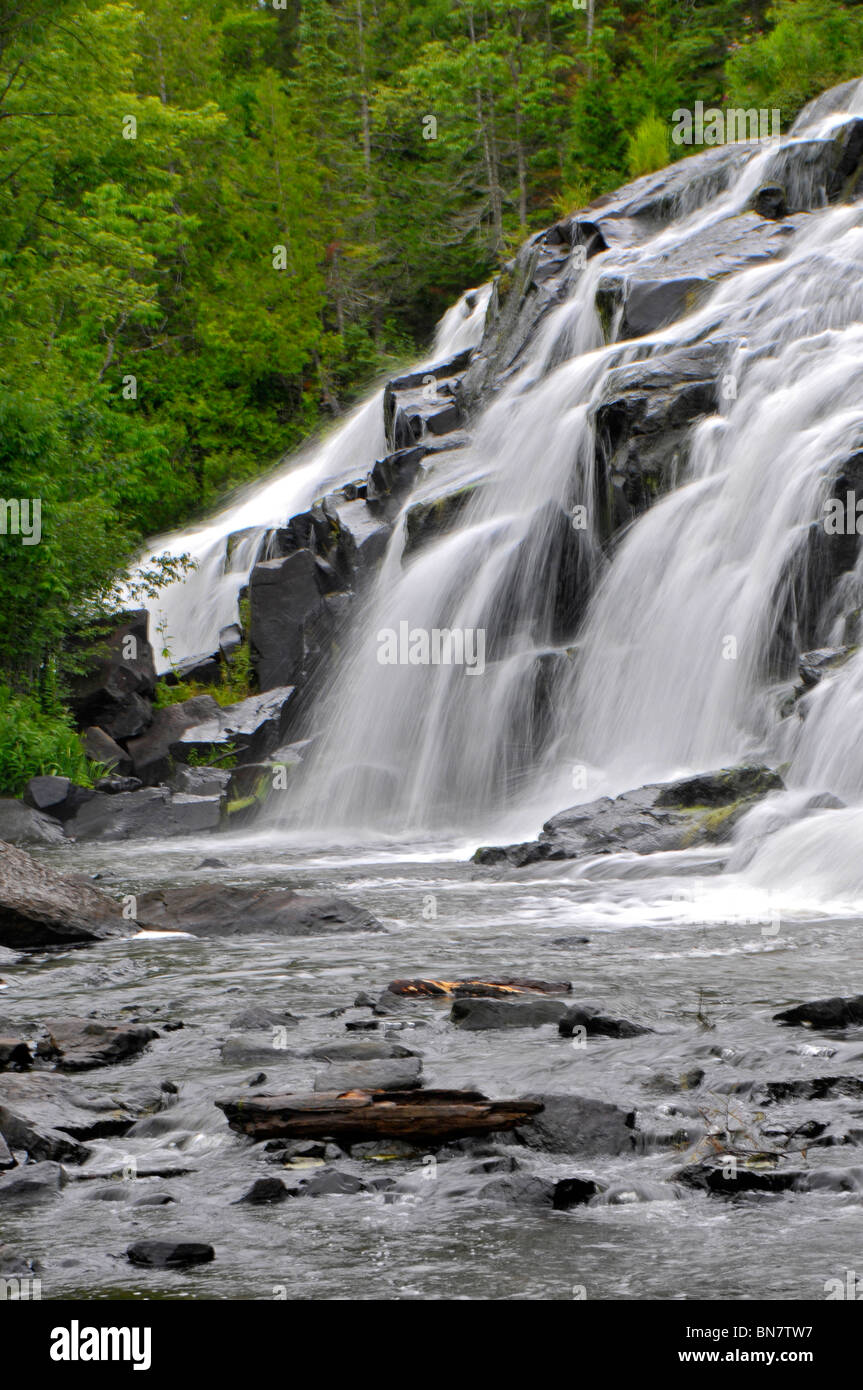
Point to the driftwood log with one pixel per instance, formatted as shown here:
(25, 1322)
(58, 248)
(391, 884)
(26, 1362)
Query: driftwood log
(420, 1117)
(499, 987)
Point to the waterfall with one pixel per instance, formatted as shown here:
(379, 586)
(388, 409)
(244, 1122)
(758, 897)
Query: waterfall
(698, 613)
(611, 654)
(187, 616)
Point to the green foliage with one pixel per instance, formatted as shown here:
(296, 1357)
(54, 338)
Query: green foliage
(648, 147)
(33, 743)
(813, 44)
(219, 221)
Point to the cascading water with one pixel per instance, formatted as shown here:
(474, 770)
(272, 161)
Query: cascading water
(187, 616)
(676, 661)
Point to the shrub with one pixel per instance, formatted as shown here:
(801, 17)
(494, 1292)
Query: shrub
(34, 743)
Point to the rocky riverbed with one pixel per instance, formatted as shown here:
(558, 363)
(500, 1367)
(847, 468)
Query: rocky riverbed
(633, 1121)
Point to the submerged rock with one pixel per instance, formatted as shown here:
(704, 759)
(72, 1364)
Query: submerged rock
(220, 910)
(168, 1254)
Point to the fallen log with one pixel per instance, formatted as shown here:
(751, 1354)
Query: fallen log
(498, 987)
(418, 1117)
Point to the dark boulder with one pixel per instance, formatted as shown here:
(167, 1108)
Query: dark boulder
(152, 812)
(292, 621)
(221, 910)
(151, 753)
(115, 690)
(596, 1024)
(169, 1254)
(39, 1144)
(577, 1124)
(252, 728)
(80, 1044)
(39, 907)
(482, 1015)
(263, 1192)
(101, 748)
(21, 825)
(825, 1013)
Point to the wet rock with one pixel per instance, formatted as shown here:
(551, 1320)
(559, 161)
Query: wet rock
(39, 907)
(39, 1144)
(83, 1043)
(32, 1184)
(481, 1015)
(660, 817)
(596, 1024)
(770, 201)
(359, 1051)
(518, 1190)
(290, 621)
(577, 1124)
(151, 753)
(263, 1192)
(113, 785)
(825, 1013)
(570, 941)
(643, 423)
(57, 1102)
(21, 825)
(253, 728)
(574, 1192)
(221, 910)
(259, 1016)
(330, 1182)
(15, 1054)
(799, 1088)
(155, 1199)
(401, 1074)
(7, 1160)
(115, 691)
(428, 519)
(169, 1254)
(728, 1177)
(204, 669)
(152, 812)
(250, 1049)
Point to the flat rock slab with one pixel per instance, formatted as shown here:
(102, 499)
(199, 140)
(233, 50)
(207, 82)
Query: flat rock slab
(825, 1013)
(169, 1254)
(83, 1043)
(415, 1116)
(34, 1183)
(217, 910)
(39, 1143)
(498, 987)
(39, 907)
(51, 1101)
(359, 1051)
(481, 1015)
